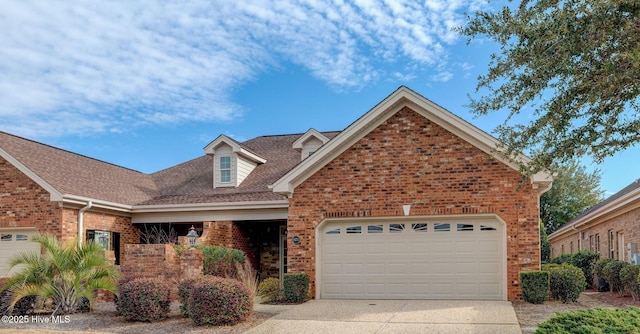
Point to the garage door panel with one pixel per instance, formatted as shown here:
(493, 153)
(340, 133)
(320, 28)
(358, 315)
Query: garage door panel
(409, 264)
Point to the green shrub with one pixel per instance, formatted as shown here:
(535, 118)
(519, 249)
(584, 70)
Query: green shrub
(535, 286)
(295, 287)
(270, 290)
(144, 299)
(599, 267)
(549, 267)
(221, 261)
(219, 301)
(566, 282)
(612, 274)
(586, 261)
(560, 259)
(629, 279)
(184, 290)
(594, 320)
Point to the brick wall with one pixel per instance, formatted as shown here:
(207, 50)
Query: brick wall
(410, 160)
(23, 203)
(627, 223)
(161, 260)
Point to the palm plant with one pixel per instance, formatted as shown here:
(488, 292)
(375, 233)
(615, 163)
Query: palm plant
(64, 272)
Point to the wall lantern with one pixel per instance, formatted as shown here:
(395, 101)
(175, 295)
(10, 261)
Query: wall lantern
(192, 236)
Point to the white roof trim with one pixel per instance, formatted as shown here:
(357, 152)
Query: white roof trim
(625, 201)
(235, 146)
(278, 204)
(311, 133)
(55, 195)
(402, 97)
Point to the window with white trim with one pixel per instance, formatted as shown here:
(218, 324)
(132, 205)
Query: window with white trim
(225, 169)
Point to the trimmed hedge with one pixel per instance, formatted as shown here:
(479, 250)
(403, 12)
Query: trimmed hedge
(566, 282)
(144, 299)
(219, 301)
(184, 291)
(596, 320)
(295, 287)
(535, 286)
(612, 274)
(270, 290)
(629, 278)
(583, 259)
(599, 267)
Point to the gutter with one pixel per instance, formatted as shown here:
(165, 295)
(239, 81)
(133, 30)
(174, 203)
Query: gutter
(81, 221)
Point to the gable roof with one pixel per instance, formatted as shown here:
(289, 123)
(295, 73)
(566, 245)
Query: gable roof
(624, 200)
(236, 147)
(75, 178)
(71, 176)
(402, 97)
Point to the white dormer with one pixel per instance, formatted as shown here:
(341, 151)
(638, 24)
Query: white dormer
(232, 162)
(309, 143)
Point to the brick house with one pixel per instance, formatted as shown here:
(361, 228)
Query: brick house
(409, 201)
(611, 228)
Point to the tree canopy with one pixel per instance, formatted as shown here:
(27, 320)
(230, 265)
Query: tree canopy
(574, 190)
(572, 67)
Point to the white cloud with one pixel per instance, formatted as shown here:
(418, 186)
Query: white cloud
(74, 67)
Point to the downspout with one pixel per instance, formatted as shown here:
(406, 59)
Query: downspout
(81, 221)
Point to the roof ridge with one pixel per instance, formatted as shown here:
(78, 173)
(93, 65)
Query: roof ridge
(68, 151)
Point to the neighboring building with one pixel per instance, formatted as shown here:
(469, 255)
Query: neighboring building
(611, 228)
(408, 202)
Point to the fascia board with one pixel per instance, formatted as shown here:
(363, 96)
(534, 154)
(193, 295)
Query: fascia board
(96, 203)
(310, 133)
(280, 204)
(55, 195)
(618, 204)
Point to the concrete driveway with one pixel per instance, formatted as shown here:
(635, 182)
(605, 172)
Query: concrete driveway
(394, 316)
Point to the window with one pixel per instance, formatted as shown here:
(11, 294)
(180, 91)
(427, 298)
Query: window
(562, 249)
(465, 227)
(591, 243)
(107, 240)
(22, 237)
(374, 228)
(487, 228)
(354, 229)
(441, 227)
(6, 237)
(597, 250)
(612, 246)
(396, 228)
(334, 231)
(571, 247)
(225, 169)
(419, 227)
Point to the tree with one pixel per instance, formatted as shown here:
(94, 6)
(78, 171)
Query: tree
(574, 190)
(66, 273)
(545, 247)
(574, 65)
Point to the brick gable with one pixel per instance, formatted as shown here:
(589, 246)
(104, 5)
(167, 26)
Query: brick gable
(410, 160)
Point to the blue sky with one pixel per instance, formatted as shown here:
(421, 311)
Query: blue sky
(146, 85)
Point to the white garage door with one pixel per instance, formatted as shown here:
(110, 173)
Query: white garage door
(12, 242)
(452, 259)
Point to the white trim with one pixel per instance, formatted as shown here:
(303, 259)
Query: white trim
(210, 215)
(279, 204)
(626, 203)
(55, 195)
(311, 133)
(402, 97)
(326, 221)
(236, 148)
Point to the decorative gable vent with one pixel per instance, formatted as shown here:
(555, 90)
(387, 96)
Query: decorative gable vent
(232, 162)
(309, 143)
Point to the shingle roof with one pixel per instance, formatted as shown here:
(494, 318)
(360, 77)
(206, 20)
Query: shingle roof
(626, 190)
(188, 183)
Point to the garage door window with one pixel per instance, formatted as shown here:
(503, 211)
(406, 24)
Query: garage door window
(487, 228)
(374, 228)
(6, 237)
(396, 228)
(334, 231)
(465, 227)
(420, 227)
(442, 227)
(354, 229)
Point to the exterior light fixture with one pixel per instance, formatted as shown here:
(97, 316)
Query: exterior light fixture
(192, 236)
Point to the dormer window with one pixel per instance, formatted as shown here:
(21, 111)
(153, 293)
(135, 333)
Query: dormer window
(232, 161)
(309, 143)
(225, 169)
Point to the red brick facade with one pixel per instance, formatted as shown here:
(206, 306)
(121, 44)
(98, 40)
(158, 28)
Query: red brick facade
(410, 160)
(23, 203)
(603, 237)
